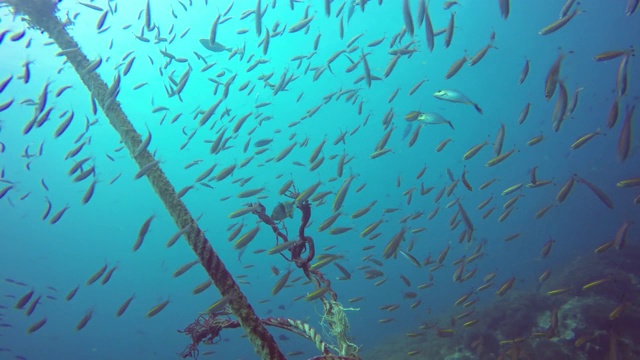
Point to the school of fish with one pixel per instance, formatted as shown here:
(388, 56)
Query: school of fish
(244, 118)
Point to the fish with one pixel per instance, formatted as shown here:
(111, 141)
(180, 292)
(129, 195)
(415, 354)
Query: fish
(512, 189)
(506, 286)
(108, 275)
(456, 97)
(89, 193)
(584, 138)
(474, 150)
(480, 54)
(57, 216)
(214, 31)
(202, 287)
(341, 194)
(546, 248)
(329, 221)
(5, 190)
(363, 211)
(157, 309)
(320, 292)
(632, 182)
(145, 169)
(4, 106)
(367, 70)
(505, 8)
(144, 144)
(433, 118)
(249, 193)
(85, 320)
(428, 26)
(307, 193)
(614, 111)
(416, 86)
(560, 109)
(618, 311)
(524, 72)
(219, 305)
(282, 281)
(448, 35)
(301, 24)
(378, 153)
(624, 141)
(545, 275)
(524, 113)
(455, 67)
(258, 18)
(282, 211)
(147, 17)
(286, 151)
(235, 232)
(497, 145)
(72, 293)
(408, 19)
(63, 125)
(339, 230)
(36, 326)
(558, 291)
(500, 158)
(551, 80)
(215, 47)
(596, 191)
(124, 306)
(97, 275)
(376, 42)
(392, 247)
(391, 66)
(4, 83)
(535, 140)
(325, 260)
(24, 300)
(241, 212)
(142, 232)
(632, 6)
(346, 274)
(558, 24)
(174, 238)
(184, 268)
(573, 103)
(246, 238)
(101, 20)
(612, 54)
(411, 258)
(224, 173)
(595, 283)
(281, 247)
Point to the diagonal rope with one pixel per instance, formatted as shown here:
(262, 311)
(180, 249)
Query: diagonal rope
(40, 14)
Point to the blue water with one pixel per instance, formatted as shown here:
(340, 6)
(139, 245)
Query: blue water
(53, 259)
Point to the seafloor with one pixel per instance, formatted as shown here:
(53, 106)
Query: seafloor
(599, 322)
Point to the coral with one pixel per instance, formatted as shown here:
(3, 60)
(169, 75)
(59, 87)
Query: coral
(533, 325)
(515, 316)
(460, 355)
(546, 349)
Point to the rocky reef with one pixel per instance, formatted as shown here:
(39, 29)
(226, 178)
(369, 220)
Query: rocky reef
(586, 310)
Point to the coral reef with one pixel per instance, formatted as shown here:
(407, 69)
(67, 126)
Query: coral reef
(594, 317)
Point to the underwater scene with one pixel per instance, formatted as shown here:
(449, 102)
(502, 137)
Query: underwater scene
(319, 179)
